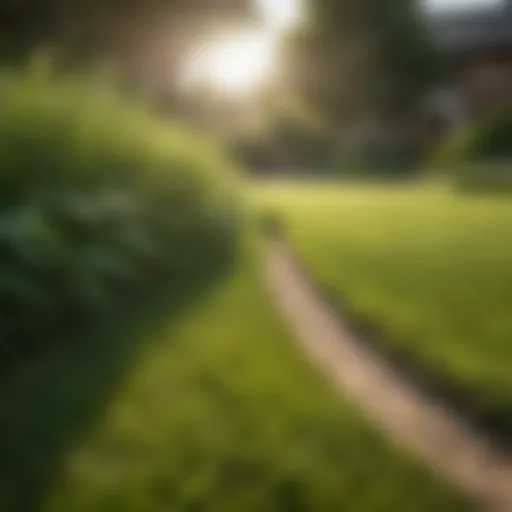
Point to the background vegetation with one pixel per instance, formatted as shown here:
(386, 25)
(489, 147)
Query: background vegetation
(478, 154)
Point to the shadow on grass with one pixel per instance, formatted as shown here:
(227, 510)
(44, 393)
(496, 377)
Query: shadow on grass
(46, 404)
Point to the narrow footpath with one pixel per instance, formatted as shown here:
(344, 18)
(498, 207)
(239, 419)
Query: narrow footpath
(424, 426)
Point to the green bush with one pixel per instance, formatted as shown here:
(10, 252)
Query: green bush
(479, 154)
(98, 198)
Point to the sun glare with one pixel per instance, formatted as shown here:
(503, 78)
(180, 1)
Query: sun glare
(236, 64)
(280, 14)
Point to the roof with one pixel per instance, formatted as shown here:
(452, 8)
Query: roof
(473, 30)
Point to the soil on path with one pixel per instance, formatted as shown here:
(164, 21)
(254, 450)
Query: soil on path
(425, 426)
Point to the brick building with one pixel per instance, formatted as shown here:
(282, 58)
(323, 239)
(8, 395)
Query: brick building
(479, 45)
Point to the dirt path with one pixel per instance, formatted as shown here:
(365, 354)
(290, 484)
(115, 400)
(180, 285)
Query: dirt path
(421, 424)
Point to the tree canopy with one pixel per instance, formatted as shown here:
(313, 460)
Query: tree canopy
(85, 30)
(359, 56)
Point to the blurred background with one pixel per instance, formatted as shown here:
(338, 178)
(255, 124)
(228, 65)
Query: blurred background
(323, 86)
(144, 365)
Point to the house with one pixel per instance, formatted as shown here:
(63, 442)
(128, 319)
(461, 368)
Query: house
(478, 43)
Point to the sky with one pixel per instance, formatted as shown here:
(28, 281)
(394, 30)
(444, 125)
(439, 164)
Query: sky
(449, 4)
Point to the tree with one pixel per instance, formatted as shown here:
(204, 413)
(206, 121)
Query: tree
(362, 57)
(88, 30)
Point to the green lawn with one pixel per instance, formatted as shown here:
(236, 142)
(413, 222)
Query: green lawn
(431, 268)
(213, 409)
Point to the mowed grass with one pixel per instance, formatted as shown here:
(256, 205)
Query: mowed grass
(213, 409)
(430, 267)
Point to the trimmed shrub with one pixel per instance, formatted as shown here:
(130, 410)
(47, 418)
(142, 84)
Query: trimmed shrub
(97, 199)
(479, 154)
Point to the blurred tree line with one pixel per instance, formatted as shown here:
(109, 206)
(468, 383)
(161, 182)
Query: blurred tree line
(143, 39)
(355, 57)
(364, 66)
(359, 65)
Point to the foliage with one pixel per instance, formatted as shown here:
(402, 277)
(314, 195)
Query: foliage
(478, 154)
(492, 139)
(429, 269)
(291, 137)
(303, 142)
(96, 198)
(88, 30)
(356, 58)
(489, 139)
(218, 412)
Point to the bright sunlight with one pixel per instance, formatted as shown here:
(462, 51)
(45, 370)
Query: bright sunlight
(240, 63)
(280, 14)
